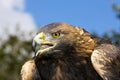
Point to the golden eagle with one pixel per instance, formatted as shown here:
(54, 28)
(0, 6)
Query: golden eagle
(67, 52)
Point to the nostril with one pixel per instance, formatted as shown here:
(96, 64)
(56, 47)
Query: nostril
(41, 35)
(40, 38)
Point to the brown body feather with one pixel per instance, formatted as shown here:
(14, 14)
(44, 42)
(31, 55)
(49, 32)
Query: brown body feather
(106, 60)
(66, 68)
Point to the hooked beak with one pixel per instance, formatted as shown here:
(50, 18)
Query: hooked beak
(37, 40)
(40, 45)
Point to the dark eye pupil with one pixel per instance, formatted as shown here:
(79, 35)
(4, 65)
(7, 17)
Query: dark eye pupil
(56, 34)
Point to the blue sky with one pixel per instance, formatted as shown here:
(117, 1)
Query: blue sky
(94, 15)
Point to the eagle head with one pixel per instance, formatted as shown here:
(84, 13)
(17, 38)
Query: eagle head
(61, 39)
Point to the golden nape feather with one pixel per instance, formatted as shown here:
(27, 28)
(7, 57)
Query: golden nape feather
(67, 52)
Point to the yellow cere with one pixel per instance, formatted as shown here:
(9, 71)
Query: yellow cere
(41, 35)
(55, 35)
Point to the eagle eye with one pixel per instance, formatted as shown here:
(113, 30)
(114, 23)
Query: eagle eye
(56, 35)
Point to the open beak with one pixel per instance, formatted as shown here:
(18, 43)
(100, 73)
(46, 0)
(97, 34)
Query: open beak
(40, 45)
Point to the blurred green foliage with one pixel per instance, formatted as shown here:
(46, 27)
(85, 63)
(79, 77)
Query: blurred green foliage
(13, 53)
(113, 36)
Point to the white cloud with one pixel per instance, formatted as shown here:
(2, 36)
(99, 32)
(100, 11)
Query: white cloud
(11, 4)
(12, 14)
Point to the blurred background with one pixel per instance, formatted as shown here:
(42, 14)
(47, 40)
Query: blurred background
(21, 19)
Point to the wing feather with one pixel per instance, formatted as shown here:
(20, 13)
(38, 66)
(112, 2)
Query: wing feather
(106, 61)
(29, 71)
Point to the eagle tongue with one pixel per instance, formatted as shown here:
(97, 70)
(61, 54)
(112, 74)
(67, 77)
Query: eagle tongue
(45, 46)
